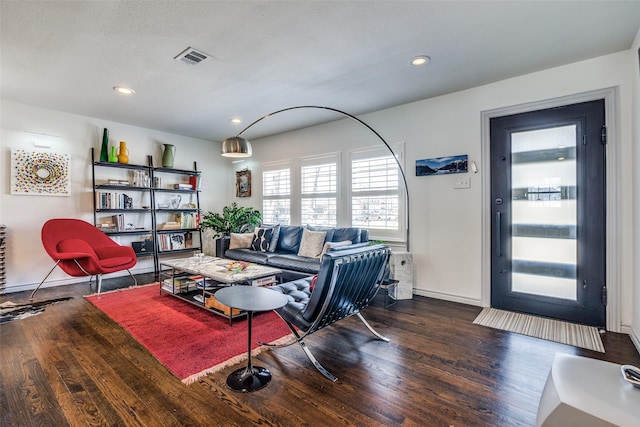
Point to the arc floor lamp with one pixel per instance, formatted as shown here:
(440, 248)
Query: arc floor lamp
(237, 146)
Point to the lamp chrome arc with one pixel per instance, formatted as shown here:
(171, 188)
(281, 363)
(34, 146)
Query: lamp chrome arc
(238, 147)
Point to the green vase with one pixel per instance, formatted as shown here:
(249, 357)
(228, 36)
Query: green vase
(104, 152)
(113, 158)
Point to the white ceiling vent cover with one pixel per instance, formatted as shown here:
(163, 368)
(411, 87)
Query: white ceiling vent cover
(191, 56)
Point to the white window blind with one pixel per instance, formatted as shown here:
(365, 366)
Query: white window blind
(318, 187)
(375, 195)
(276, 196)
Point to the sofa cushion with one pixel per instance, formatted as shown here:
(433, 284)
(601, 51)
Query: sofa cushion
(240, 240)
(248, 255)
(289, 240)
(311, 243)
(261, 239)
(328, 230)
(341, 234)
(294, 262)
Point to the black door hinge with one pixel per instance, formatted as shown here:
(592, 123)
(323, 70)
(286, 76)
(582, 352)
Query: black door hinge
(604, 294)
(603, 134)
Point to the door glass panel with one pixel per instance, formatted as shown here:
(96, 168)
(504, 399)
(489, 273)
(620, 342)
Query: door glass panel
(544, 216)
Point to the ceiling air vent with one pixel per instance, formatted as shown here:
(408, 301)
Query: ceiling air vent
(190, 56)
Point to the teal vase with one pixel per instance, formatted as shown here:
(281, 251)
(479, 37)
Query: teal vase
(104, 152)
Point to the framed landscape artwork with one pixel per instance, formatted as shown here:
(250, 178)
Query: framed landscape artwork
(442, 165)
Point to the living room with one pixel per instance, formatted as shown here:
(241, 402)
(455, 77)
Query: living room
(448, 225)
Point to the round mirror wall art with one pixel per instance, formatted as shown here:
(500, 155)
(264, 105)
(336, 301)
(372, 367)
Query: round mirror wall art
(40, 173)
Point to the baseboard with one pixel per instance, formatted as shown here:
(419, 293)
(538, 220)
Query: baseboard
(448, 297)
(635, 338)
(68, 281)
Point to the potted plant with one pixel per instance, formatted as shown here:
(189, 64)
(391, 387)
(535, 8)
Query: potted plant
(233, 219)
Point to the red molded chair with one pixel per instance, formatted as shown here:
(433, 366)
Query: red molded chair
(80, 249)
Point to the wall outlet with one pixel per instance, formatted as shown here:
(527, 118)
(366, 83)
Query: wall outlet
(464, 182)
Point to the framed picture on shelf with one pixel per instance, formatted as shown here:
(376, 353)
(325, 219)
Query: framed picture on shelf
(243, 183)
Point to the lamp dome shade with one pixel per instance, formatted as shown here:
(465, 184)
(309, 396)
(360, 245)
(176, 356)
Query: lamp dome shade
(236, 147)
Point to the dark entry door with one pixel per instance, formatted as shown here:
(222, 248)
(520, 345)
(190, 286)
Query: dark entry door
(548, 213)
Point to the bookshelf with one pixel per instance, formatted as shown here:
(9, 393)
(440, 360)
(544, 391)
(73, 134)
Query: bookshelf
(156, 210)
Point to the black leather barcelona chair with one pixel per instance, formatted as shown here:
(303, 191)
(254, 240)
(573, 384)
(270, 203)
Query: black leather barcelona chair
(346, 283)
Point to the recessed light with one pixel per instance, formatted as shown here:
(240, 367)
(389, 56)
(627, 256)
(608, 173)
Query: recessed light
(235, 120)
(124, 90)
(420, 60)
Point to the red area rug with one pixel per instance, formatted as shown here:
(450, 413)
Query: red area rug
(188, 340)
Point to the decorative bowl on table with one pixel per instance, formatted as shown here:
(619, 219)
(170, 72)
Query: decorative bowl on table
(237, 266)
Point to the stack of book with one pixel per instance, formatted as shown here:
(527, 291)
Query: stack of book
(178, 285)
(118, 182)
(182, 187)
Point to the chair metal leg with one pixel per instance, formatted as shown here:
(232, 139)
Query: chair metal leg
(315, 362)
(373, 331)
(135, 282)
(99, 284)
(310, 356)
(45, 278)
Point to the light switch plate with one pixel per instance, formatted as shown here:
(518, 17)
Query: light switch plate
(463, 182)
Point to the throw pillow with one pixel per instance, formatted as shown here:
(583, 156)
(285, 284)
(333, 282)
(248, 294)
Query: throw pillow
(330, 245)
(240, 240)
(261, 239)
(274, 237)
(311, 243)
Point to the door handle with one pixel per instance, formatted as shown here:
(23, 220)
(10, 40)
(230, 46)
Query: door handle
(499, 233)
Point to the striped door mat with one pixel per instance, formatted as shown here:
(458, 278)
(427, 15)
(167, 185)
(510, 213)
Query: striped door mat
(539, 327)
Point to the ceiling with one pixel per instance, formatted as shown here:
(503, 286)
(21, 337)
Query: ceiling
(268, 55)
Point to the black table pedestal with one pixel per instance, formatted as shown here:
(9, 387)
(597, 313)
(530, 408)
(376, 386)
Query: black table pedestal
(250, 299)
(245, 379)
(249, 378)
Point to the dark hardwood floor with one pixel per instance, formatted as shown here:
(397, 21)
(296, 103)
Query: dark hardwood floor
(73, 366)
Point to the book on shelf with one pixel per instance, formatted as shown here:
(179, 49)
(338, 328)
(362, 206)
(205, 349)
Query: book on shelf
(182, 187)
(173, 241)
(170, 225)
(112, 200)
(188, 219)
(122, 182)
(111, 223)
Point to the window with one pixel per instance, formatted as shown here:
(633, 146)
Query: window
(311, 190)
(375, 194)
(318, 190)
(276, 194)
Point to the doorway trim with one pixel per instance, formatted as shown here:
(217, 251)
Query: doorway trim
(613, 176)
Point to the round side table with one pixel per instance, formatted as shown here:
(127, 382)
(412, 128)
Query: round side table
(250, 299)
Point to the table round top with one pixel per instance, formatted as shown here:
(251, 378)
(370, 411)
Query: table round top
(251, 298)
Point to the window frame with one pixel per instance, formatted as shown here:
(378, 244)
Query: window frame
(271, 167)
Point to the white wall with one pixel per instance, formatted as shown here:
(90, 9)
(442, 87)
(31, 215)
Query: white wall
(27, 262)
(634, 61)
(446, 224)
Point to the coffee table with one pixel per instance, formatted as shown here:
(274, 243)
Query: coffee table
(213, 274)
(250, 299)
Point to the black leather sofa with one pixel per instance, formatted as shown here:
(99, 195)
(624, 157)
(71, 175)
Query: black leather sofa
(284, 253)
